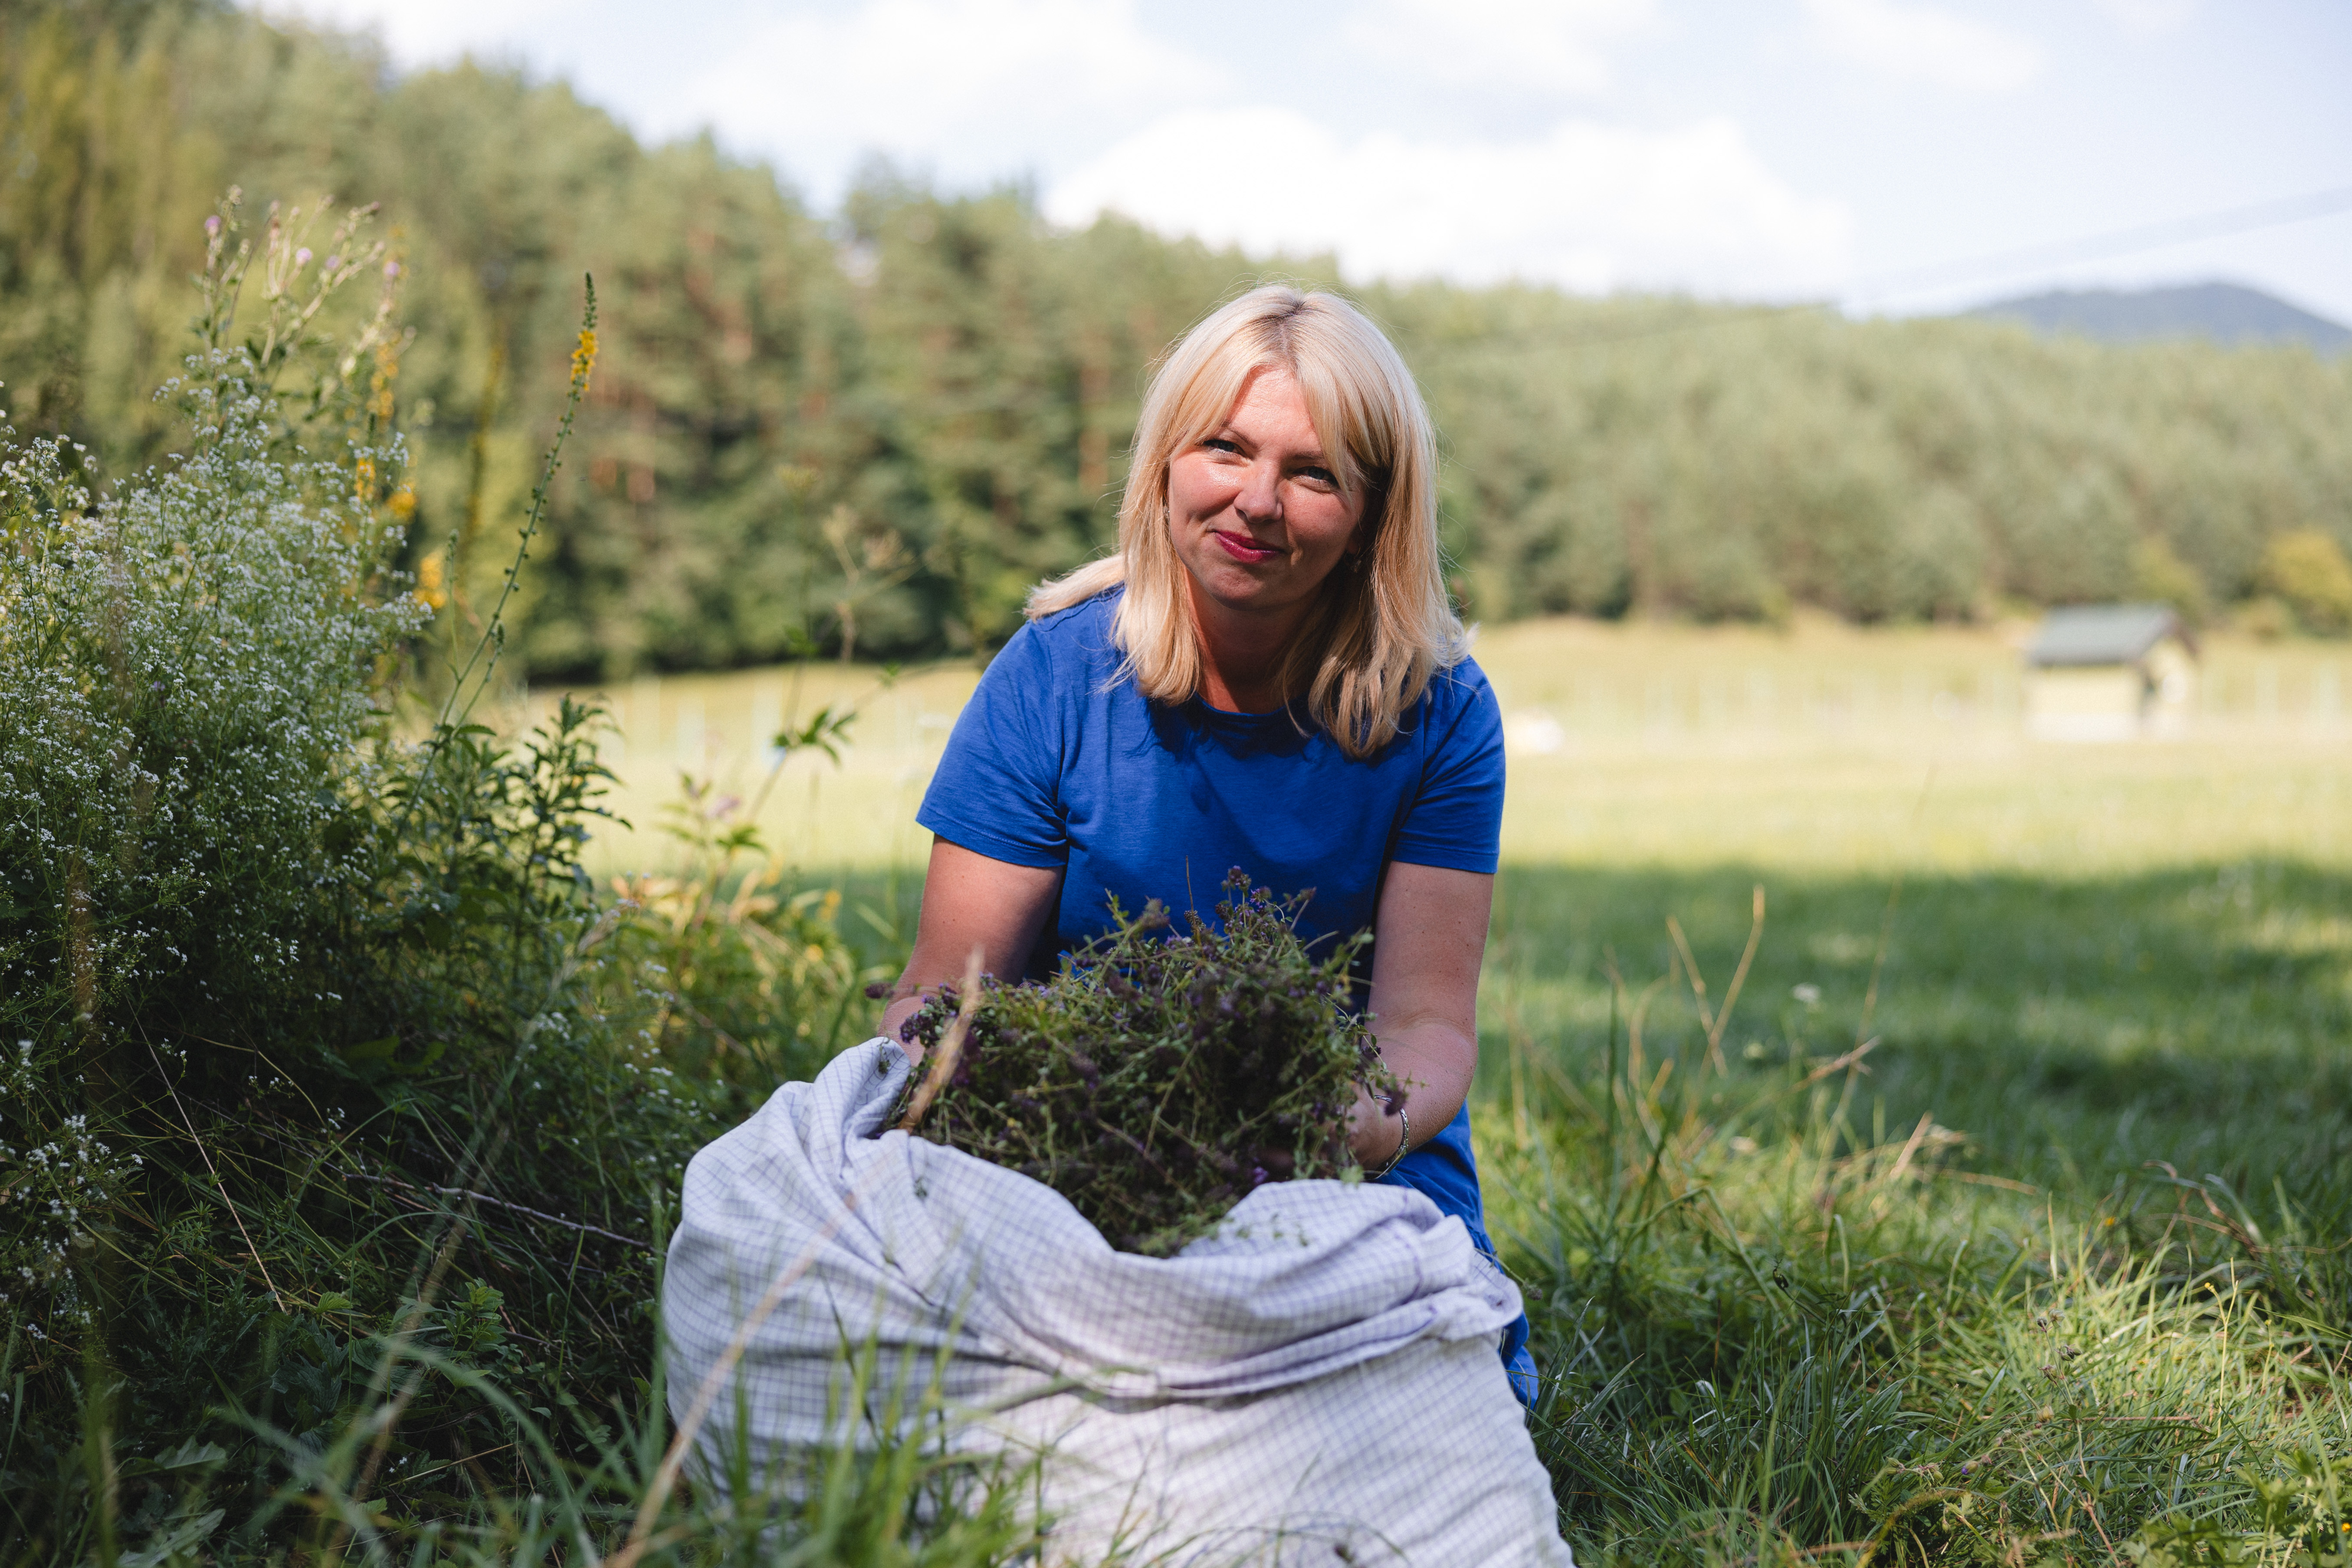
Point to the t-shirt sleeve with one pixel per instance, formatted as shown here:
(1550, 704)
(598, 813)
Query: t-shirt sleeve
(1456, 820)
(998, 788)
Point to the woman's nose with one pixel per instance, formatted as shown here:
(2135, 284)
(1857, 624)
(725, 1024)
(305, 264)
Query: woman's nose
(1260, 498)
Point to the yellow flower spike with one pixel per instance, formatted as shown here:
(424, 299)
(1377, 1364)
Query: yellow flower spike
(584, 358)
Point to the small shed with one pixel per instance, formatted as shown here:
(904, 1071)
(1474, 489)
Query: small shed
(2110, 673)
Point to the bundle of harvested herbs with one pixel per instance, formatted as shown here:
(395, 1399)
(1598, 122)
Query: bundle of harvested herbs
(1155, 1081)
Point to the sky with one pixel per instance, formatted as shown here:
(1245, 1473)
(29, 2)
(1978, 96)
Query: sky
(1892, 155)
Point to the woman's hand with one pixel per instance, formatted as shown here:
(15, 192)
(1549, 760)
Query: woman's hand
(971, 900)
(1429, 937)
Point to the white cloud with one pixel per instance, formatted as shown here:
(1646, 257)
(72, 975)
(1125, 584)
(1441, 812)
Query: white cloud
(1553, 46)
(1920, 43)
(417, 31)
(1592, 206)
(972, 89)
(1110, 108)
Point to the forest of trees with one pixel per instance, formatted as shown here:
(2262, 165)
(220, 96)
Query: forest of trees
(875, 428)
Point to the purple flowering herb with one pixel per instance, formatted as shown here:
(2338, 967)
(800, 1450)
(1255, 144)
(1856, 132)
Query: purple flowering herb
(1155, 1079)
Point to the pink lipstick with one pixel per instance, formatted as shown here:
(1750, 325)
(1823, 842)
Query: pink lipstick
(1240, 547)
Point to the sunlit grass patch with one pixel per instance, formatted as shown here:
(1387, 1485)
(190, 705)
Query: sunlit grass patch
(1827, 748)
(1829, 1287)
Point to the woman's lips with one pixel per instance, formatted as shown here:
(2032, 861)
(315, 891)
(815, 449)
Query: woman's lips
(1240, 547)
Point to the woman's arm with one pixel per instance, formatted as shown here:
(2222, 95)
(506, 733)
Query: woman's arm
(1429, 936)
(971, 900)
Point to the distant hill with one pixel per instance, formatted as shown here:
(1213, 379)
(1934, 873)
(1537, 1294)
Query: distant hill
(2219, 312)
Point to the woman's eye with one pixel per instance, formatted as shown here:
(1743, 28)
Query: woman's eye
(1320, 476)
(1218, 444)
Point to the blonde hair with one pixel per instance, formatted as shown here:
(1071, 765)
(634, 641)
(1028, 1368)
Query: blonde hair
(1377, 632)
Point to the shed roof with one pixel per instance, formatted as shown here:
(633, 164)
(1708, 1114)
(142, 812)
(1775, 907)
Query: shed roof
(2103, 634)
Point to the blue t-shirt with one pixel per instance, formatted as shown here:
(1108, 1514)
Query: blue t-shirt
(1058, 761)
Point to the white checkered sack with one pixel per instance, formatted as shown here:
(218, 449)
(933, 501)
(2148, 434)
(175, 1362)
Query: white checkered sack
(1316, 1382)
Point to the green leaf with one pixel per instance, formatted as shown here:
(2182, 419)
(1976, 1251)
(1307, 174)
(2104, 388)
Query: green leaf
(174, 1542)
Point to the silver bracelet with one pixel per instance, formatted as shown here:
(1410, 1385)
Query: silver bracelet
(1404, 1144)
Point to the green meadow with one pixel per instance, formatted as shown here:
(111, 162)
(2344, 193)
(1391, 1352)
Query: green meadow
(2001, 1215)
(1817, 749)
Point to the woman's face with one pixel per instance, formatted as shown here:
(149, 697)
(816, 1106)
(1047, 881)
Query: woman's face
(1254, 510)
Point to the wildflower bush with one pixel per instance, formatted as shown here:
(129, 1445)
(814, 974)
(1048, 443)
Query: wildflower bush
(169, 657)
(187, 674)
(335, 1122)
(1155, 1083)
(59, 1177)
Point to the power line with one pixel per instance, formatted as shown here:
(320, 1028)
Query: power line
(2110, 244)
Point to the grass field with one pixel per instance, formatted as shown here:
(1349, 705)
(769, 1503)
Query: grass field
(2076, 1217)
(1820, 749)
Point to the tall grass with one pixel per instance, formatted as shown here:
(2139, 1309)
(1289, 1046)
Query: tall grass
(1773, 1328)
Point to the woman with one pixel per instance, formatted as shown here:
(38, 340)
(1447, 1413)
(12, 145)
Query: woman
(1267, 675)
